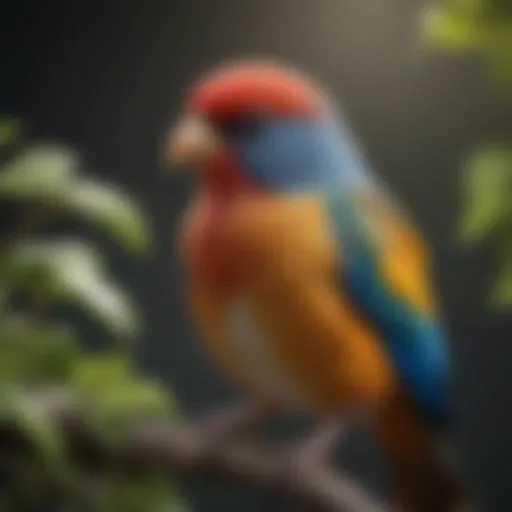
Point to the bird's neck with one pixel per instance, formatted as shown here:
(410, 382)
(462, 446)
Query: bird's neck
(224, 182)
(206, 246)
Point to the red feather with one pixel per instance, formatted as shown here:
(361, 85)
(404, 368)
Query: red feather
(205, 241)
(247, 87)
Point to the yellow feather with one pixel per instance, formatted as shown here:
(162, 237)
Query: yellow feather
(334, 358)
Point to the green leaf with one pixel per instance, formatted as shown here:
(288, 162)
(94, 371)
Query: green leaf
(482, 26)
(95, 374)
(71, 270)
(111, 413)
(113, 394)
(112, 210)
(42, 172)
(77, 272)
(451, 29)
(29, 415)
(488, 189)
(110, 385)
(49, 174)
(36, 354)
(137, 398)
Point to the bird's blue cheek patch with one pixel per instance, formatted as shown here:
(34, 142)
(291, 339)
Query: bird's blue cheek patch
(297, 154)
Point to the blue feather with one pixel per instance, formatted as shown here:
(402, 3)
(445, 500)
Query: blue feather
(415, 343)
(300, 154)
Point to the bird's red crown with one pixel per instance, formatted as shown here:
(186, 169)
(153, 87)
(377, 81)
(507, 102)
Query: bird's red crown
(255, 86)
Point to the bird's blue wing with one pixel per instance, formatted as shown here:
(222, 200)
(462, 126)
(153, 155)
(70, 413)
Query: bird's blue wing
(412, 334)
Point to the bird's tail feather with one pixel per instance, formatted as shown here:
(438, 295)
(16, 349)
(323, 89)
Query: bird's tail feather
(422, 478)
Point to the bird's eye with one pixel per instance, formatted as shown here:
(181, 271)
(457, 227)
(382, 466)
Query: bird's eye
(244, 126)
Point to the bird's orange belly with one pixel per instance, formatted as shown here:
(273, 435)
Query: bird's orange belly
(282, 341)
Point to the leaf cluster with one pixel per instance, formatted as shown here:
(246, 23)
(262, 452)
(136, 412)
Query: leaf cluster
(480, 26)
(483, 27)
(42, 358)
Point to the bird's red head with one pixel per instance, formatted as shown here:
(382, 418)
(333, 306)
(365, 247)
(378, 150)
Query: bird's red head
(234, 93)
(234, 98)
(258, 87)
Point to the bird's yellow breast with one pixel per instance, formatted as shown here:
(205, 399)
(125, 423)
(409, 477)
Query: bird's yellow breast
(287, 331)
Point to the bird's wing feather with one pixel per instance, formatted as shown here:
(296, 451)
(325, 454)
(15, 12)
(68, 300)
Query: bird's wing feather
(385, 272)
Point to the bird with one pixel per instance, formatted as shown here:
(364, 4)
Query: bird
(308, 283)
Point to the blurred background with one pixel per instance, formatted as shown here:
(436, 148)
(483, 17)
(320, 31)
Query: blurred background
(106, 78)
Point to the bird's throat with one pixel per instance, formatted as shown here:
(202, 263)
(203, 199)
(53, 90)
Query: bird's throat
(224, 181)
(208, 247)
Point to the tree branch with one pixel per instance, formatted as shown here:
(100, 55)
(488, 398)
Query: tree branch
(190, 451)
(184, 452)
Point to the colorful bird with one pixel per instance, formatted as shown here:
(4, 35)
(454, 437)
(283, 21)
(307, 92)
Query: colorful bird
(307, 281)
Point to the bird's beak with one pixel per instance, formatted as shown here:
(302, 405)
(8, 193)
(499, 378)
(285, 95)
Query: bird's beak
(192, 142)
